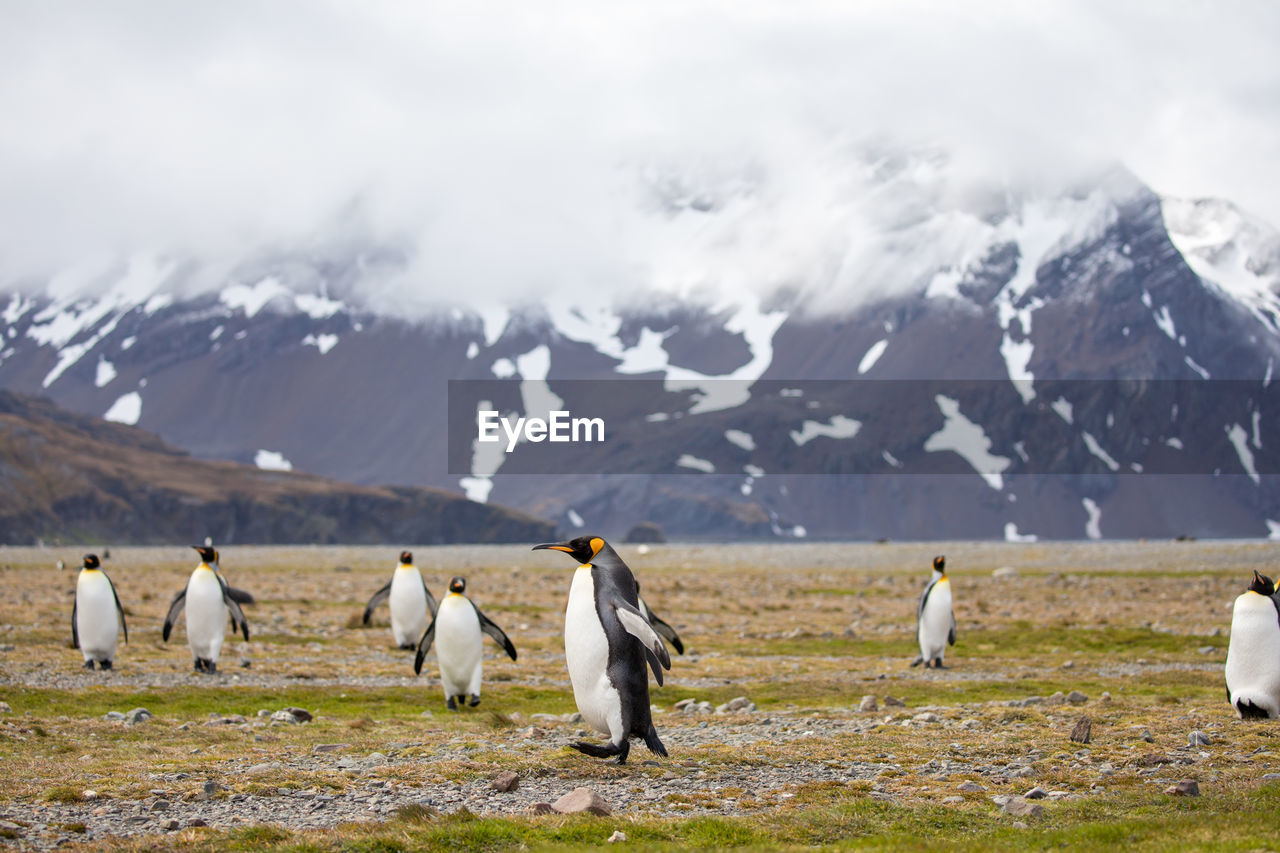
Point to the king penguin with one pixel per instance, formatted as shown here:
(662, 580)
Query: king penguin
(607, 641)
(409, 600)
(1253, 654)
(935, 621)
(207, 600)
(456, 628)
(94, 623)
(664, 630)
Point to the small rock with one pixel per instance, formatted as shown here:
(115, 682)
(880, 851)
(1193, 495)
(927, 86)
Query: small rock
(1206, 650)
(970, 787)
(1036, 793)
(137, 715)
(926, 717)
(171, 825)
(1017, 824)
(1020, 807)
(5, 709)
(196, 821)
(1058, 698)
(891, 702)
(113, 716)
(868, 703)
(506, 782)
(739, 704)
(1075, 697)
(264, 712)
(1069, 664)
(211, 787)
(1105, 698)
(541, 808)
(160, 805)
(1198, 739)
(1032, 700)
(575, 717)
(291, 715)
(946, 801)
(1270, 776)
(1142, 733)
(582, 800)
(1083, 731)
(618, 835)
(1006, 572)
(327, 747)
(1185, 788)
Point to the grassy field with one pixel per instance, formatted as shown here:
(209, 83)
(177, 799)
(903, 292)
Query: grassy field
(803, 631)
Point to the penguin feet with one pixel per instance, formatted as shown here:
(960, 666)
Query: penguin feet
(104, 665)
(408, 647)
(451, 704)
(88, 664)
(596, 751)
(210, 666)
(937, 664)
(475, 700)
(198, 665)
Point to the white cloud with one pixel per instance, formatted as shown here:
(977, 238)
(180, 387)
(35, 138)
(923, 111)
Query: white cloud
(498, 144)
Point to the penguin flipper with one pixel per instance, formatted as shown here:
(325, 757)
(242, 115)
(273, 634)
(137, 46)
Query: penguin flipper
(423, 645)
(431, 599)
(237, 615)
(638, 626)
(667, 632)
(119, 607)
(379, 597)
(175, 607)
(75, 632)
(487, 625)
(240, 596)
(951, 636)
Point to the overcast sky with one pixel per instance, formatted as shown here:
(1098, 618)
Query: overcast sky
(475, 133)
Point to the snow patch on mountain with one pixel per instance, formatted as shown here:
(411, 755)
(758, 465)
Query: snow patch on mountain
(271, 460)
(688, 460)
(740, 439)
(873, 355)
(1093, 524)
(967, 439)
(1096, 449)
(324, 343)
(253, 298)
(1239, 439)
(105, 373)
(838, 426)
(127, 409)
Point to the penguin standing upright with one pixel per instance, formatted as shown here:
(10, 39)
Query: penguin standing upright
(94, 623)
(409, 600)
(456, 629)
(1253, 654)
(935, 620)
(664, 630)
(207, 601)
(607, 642)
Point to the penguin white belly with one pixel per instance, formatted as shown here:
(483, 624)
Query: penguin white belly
(1253, 654)
(408, 605)
(586, 652)
(459, 647)
(206, 615)
(96, 621)
(935, 622)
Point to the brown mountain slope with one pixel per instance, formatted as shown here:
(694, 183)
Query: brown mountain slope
(66, 477)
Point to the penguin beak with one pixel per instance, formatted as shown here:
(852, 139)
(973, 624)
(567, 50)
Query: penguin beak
(553, 546)
(1257, 578)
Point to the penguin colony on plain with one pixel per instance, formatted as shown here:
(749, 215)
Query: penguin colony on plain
(612, 639)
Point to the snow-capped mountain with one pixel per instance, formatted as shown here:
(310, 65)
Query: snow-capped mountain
(1104, 359)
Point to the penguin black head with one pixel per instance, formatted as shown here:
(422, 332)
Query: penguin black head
(940, 564)
(91, 561)
(406, 558)
(583, 549)
(1262, 584)
(207, 554)
(458, 585)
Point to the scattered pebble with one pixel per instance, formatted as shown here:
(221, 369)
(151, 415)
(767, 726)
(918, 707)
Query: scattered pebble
(1198, 738)
(891, 702)
(1036, 793)
(1020, 807)
(505, 782)
(618, 835)
(868, 703)
(582, 800)
(1075, 697)
(1083, 731)
(1185, 788)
